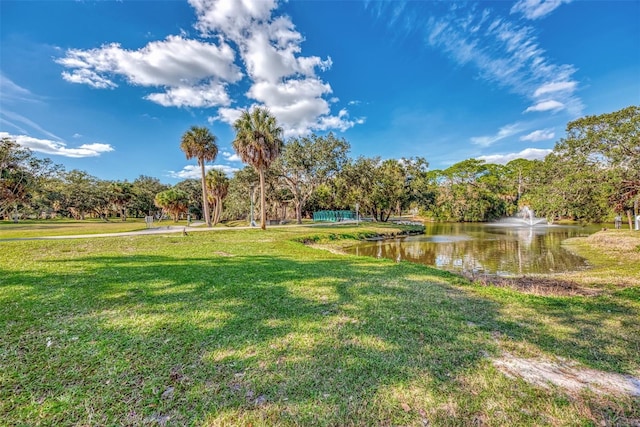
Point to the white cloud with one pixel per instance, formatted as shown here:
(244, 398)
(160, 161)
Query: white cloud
(538, 135)
(188, 172)
(226, 115)
(230, 17)
(548, 105)
(193, 171)
(503, 132)
(289, 92)
(207, 95)
(561, 86)
(88, 77)
(26, 121)
(191, 73)
(528, 153)
(282, 79)
(231, 157)
(228, 170)
(12, 92)
(13, 125)
(170, 62)
(534, 9)
(59, 148)
(77, 135)
(504, 51)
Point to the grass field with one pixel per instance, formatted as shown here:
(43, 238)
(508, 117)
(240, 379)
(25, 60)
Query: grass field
(64, 227)
(245, 327)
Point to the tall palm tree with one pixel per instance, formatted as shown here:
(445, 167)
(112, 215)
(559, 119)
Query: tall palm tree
(217, 189)
(258, 142)
(200, 143)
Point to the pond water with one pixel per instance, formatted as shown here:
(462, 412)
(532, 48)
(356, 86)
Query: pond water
(501, 248)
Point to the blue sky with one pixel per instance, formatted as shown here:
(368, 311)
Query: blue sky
(109, 87)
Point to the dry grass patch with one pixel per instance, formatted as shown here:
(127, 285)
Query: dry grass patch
(614, 257)
(620, 241)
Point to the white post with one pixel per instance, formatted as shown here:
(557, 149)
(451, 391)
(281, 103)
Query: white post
(357, 214)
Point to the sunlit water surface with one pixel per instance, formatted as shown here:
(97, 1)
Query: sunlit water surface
(503, 248)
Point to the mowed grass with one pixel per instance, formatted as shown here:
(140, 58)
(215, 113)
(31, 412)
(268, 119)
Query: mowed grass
(245, 327)
(67, 227)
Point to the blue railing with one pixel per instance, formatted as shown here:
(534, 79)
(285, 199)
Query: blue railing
(334, 216)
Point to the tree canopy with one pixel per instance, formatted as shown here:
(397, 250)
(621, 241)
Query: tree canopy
(173, 201)
(592, 174)
(308, 162)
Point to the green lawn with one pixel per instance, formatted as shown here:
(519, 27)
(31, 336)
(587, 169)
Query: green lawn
(245, 327)
(66, 227)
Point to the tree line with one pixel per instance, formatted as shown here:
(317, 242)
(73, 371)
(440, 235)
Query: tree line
(592, 174)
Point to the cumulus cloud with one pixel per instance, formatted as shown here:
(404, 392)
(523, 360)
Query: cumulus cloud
(193, 171)
(231, 157)
(503, 132)
(202, 96)
(230, 17)
(538, 135)
(528, 153)
(534, 9)
(192, 73)
(198, 74)
(547, 105)
(282, 79)
(88, 77)
(59, 148)
(226, 115)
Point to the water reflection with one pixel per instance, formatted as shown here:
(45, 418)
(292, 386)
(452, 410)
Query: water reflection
(502, 249)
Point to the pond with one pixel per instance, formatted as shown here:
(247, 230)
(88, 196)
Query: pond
(501, 248)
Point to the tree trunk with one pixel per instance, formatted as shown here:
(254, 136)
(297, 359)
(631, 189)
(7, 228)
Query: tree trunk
(205, 202)
(263, 202)
(630, 219)
(217, 211)
(298, 206)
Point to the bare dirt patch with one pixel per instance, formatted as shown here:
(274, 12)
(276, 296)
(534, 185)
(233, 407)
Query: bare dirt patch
(566, 375)
(547, 286)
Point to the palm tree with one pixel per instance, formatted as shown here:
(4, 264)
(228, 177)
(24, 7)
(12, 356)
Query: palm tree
(200, 143)
(258, 142)
(172, 201)
(217, 189)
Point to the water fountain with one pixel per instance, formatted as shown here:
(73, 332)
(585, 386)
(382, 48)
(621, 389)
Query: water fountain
(529, 217)
(526, 217)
